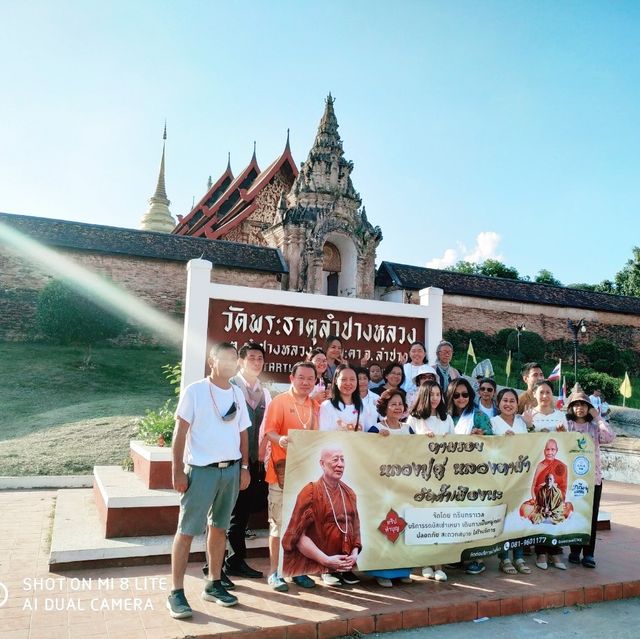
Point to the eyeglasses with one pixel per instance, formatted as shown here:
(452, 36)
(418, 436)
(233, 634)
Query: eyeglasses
(459, 395)
(488, 389)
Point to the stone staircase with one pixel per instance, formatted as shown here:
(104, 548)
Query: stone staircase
(127, 518)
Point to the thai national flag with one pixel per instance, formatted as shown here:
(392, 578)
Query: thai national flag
(555, 373)
(563, 395)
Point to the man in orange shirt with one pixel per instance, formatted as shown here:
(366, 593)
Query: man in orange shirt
(288, 411)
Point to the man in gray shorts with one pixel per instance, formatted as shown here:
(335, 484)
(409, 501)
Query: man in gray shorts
(210, 465)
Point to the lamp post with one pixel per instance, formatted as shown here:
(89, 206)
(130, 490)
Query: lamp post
(520, 328)
(576, 328)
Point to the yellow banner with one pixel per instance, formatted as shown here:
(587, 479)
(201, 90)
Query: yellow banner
(404, 501)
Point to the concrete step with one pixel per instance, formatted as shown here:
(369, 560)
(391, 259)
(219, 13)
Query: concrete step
(128, 508)
(78, 538)
(152, 464)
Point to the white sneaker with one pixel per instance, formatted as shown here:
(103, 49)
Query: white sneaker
(330, 580)
(384, 582)
(440, 575)
(427, 572)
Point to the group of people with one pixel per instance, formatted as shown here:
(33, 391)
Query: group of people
(230, 449)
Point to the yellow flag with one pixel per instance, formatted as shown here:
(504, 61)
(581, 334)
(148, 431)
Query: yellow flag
(471, 353)
(625, 387)
(507, 368)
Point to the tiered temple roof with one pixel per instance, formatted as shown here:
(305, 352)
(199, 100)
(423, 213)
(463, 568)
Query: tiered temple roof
(231, 200)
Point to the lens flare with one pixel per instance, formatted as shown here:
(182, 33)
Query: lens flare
(104, 293)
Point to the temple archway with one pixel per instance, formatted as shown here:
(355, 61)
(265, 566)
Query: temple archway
(339, 266)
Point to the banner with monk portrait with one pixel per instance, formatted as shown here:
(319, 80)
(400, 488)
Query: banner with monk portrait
(360, 500)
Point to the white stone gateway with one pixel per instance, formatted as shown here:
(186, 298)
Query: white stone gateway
(289, 324)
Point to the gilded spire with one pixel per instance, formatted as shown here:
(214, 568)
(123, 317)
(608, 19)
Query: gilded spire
(158, 217)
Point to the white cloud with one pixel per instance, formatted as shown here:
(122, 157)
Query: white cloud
(449, 258)
(485, 248)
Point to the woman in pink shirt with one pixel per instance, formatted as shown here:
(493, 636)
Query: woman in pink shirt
(582, 417)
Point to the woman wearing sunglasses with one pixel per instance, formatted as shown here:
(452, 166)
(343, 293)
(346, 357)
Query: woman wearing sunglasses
(467, 420)
(487, 397)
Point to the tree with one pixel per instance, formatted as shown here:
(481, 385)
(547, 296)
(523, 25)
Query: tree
(546, 277)
(494, 268)
(469, 268)
(489, 268)
(627, 281)
(70, 317)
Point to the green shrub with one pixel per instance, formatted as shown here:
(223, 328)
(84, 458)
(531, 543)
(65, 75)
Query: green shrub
(501, 338)
(531, 345)
(590, 380)
(459, 339)
(69, 317)
(156, 427)
(483, 345)
(559, 349)
(606, 357)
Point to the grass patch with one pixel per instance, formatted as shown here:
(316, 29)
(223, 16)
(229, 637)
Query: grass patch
(59, 419)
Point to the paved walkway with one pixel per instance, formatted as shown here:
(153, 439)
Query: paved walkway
(129, 603)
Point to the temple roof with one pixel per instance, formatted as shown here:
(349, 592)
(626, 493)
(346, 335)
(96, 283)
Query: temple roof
(150, 244)
(415, 278)
(222, 210)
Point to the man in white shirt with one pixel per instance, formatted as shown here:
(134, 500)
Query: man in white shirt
(596, 400)
(210, 465)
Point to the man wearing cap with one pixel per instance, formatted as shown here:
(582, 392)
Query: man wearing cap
(210, 465)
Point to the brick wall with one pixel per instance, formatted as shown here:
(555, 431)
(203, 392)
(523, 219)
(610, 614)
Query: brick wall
(480, 314)
(160, 283)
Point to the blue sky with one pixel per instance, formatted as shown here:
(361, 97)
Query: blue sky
(477, 129)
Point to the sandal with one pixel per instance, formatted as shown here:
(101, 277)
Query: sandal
(521, 566)
(557, 562)
(507, 567)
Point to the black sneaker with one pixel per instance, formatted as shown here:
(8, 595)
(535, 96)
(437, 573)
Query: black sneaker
(349, 578)
(226, 582)
(178, 605)
(475, 568)
(241, 568)
(216, 592)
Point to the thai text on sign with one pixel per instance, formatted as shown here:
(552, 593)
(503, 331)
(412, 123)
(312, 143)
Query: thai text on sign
(288, 333)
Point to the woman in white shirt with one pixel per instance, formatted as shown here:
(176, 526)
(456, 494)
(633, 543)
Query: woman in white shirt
(344, 410)
(322, 389)
(507, 421)
(544, 418)
(428, 415)
(370, 415)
